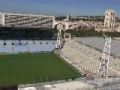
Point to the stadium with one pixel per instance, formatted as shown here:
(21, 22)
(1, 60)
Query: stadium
(34, 57)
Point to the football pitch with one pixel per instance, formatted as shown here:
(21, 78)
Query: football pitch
(34, 68)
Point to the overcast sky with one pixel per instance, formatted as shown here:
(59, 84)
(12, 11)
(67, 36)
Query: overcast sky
(60, 7)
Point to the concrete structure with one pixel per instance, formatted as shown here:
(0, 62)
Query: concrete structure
(58, 85)
(76, 25)
(110, 19)
(26, 20)
(71, 25)
(84, 55)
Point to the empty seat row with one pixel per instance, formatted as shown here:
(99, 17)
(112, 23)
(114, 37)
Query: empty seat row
(87, 59)
(99, 42)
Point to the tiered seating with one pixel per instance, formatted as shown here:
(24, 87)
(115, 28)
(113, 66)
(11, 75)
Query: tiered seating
(20, 47)
(98, 43)
(5, 48)
(23, 46)
(86, 59)
(52, 45)
(32, 46)
(39, 46)
(1, 47)
(46, 46)
(8, 47)
(15, 46)
(80, 61)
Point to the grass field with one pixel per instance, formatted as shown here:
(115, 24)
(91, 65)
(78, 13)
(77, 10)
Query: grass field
(33, 68)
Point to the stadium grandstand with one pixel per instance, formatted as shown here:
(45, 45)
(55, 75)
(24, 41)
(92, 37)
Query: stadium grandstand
(98, 44)
(19, 40)
(26, 20)
(85, 53)
(26, 33)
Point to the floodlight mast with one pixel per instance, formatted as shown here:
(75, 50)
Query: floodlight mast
(104, 60)
(59, 36)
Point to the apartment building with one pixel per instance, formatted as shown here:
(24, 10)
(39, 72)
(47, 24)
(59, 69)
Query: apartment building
(109, 21)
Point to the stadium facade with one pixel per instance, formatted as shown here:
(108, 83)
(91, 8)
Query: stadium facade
(26, 20)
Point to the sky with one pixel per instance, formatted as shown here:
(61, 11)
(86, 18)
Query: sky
(60, 7)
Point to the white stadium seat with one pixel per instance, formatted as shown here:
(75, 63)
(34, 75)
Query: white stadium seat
(82, 54)
(22, 46)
